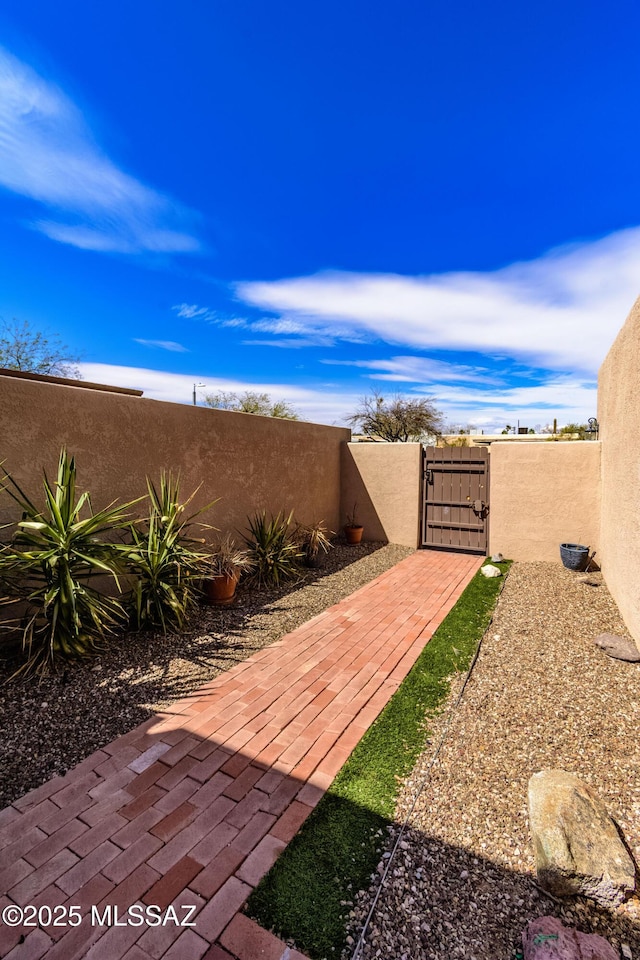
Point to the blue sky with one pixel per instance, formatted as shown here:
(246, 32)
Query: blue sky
(318, 201)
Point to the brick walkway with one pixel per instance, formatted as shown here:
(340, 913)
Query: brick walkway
(192, 807)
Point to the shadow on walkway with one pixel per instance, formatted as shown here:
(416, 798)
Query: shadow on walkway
(194, 806)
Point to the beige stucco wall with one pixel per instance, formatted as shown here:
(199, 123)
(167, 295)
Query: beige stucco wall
(619, 418)
(544, 494)
(384, 480)
(249, 462)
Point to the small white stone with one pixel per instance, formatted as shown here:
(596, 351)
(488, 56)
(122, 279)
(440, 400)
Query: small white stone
(626, 951)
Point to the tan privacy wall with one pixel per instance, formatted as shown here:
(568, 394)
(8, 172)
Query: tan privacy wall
(383, 479)
(250, 462)
(619, 418)
(542, 495)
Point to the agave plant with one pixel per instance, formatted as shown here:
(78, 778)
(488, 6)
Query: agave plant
(165, 561)
(272, 548)
(47, 566)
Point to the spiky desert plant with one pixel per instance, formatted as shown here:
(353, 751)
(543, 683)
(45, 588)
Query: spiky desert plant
(274, 552)
(47, 565)
(167, 563)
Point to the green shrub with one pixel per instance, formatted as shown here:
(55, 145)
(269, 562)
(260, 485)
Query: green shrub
(47, 566)
(272, 548)
(166, 563)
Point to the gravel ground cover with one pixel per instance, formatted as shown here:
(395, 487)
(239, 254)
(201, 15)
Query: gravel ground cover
(462, 882)
(48, 726)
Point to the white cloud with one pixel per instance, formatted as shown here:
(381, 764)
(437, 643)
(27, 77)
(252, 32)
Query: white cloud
(567, 398)
(232, 322)
(285, 343)
(280, 325)
(419, 370)
(561, 311)
(570, 399)
(170, 345)
(317, 406)
(191, 311)
(47, 153)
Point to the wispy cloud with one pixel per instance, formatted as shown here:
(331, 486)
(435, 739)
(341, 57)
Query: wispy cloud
(281, 325)
(232, 322)
(470, 394)
(422, 370)
(570, 399)
(317, 406)
(170, 345)
(48, 154)
(192, 311)
(286, 343)
(290, 334)
(560, 311)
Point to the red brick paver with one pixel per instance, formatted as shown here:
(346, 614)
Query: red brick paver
(191, 808)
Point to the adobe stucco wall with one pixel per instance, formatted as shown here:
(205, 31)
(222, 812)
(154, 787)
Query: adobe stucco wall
(249, 462)
(619, 418)
(544, 494)
(384, 480)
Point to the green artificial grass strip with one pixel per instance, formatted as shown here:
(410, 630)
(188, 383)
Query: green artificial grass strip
(338, 848)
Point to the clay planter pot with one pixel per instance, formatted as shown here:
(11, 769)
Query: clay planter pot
(353, 534)
(221, 590)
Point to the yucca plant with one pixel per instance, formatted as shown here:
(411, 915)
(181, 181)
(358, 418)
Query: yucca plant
(272, 548)
(167, 564)
(47, 566)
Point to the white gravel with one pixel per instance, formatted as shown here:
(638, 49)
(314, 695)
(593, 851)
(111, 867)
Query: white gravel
(541, 695)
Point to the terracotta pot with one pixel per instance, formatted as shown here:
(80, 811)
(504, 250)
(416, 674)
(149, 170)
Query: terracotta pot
(353, 534)
(220, 590)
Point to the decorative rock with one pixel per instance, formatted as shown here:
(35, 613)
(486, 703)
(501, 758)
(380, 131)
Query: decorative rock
(490, 571)
(590, 581)
(620, 648)
(497, 558)
(577, 847)
(546, 938)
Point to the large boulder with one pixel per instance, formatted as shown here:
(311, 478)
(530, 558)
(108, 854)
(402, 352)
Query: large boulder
(620, 648)
(548, 939)
(577, 847)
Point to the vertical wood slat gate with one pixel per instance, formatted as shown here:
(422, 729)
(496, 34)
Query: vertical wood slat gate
(455, 502)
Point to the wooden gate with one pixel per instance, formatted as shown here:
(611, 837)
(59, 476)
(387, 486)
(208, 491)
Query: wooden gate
(455, 508)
